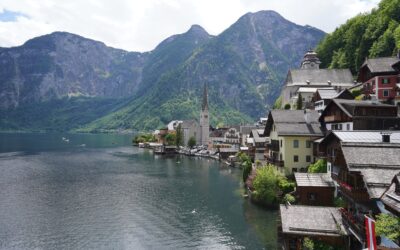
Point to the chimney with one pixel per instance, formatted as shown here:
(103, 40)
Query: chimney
(307, 116)
(329, 83)
(385, 137)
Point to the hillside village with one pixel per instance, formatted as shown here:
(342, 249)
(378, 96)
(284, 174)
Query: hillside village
(323, 117)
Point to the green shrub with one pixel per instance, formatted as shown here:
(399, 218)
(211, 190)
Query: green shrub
(388, 226)
(288, 198)
(287, 106)
(318, 167)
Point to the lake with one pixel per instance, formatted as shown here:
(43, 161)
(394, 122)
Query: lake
(99, 192)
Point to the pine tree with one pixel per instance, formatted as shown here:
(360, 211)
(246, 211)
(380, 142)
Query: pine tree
(299, 105)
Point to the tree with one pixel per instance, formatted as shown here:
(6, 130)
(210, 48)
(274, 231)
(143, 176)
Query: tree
(179, 136)
(246, 164)
(318, 167)
(388, 226)
(192, 142)
(266, 185)
(299, 105)
(170, 139)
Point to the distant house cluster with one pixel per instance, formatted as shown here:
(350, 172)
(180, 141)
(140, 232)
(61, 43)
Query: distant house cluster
(355, 128)
(326, 116)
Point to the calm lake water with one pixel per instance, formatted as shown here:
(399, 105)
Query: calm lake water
(106, 194)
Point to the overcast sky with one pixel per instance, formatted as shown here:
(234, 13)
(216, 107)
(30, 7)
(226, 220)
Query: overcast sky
(139, 25)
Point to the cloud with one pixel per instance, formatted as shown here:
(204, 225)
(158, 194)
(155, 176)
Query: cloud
(137, 25)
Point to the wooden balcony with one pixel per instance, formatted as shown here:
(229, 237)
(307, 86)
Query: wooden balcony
(355, 223)
(357, 194)
(273, 146)
(275, 162)
(333, 118)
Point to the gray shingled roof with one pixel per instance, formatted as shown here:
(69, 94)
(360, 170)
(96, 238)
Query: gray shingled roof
(381, 64)
(313, 180)
(293, 116)
(327, 93)
(337, 77)
(377, 179)
(255, 134)
(188, 123)
(311, 220)
(377, 163)
(371, 154)
(246, 129)
(366, 136)
(392, 199)
(293, 122)
(348, 106)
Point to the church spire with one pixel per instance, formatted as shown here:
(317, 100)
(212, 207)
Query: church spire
(204, 106)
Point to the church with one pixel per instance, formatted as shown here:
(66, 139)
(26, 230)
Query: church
(204, 119)
(310, 77)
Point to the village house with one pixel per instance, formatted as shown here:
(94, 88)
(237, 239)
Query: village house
(323, 97)
(245, 131)
(380, 77)
(348, 115)
(323, 224)
(311, 76)
(362, 165)
(256, 144)
(232, 137)
(291, 134)
(314, 189)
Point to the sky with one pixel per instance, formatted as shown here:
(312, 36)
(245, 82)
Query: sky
(139, 25)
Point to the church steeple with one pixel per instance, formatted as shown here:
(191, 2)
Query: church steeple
(310, 60)
(204, 105)
(204, 119)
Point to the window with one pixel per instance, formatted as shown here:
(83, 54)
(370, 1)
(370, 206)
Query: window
(312, 196)
(280, 157)
(308, 144)
(347, 126)
(308, 158)
(385, 92)
(385, 80)
(296, 158)
(295, 143)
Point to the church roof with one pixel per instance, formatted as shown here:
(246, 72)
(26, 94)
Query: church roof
(381, 64)
(319, 77)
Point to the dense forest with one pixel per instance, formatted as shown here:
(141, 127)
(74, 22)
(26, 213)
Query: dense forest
(373, 34)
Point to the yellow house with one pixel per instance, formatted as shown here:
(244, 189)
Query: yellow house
(291, 134)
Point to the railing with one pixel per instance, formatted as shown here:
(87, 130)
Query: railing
(275, 162)
(355, 223)
(358, 194)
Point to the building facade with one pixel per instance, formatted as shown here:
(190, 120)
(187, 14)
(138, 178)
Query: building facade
(291, 134)
(380, 78)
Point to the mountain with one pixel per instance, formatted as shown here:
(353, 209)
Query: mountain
(243, 67)
(373, 34)
(62, 64)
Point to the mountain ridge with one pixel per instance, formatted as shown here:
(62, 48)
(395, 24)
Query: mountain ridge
(244, 67)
